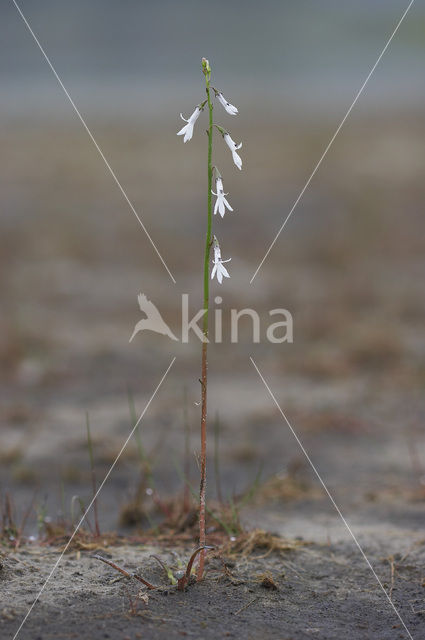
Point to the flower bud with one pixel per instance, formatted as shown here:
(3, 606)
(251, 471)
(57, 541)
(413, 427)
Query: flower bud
(206, 66)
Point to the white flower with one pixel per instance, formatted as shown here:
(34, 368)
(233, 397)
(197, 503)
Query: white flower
(233, 148)
(218, 263)
(221, 202)
(229, 107)
(187, 130)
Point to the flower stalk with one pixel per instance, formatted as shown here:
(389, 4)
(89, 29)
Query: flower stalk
(204, 362)
(218, 269)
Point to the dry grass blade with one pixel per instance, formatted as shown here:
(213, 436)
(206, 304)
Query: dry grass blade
(125, 573)
(93, 476)
(248, 604)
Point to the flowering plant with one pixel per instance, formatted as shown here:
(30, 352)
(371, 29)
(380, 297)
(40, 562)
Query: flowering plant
(218, 269)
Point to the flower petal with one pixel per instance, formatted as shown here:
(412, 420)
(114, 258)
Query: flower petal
(182, 131)
(230, 108)
(237, 160)
(226, 204)
(224, 271)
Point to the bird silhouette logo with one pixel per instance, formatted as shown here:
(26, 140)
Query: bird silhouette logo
(153, 320)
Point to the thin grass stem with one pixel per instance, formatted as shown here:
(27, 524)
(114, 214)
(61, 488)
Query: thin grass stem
(93, 477)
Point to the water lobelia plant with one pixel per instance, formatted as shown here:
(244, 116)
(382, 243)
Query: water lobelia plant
(218, 269)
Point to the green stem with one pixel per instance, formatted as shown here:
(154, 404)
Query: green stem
(208, 238)
(204, 366)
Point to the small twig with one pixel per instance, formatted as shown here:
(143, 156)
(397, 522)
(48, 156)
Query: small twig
(113, 565)
(124, 572)
(245, 606)
(143, 581)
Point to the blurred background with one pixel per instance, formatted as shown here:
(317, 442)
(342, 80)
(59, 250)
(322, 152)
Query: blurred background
(349, 264)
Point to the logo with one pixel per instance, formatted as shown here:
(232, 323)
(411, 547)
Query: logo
(275, 332)
(153, 320)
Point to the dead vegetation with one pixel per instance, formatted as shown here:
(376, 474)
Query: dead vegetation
(267, 581)
(251, 542)
(256, 545)
(292, 484)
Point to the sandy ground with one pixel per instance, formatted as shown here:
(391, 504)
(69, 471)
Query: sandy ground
(349, 267)
(322, 592)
